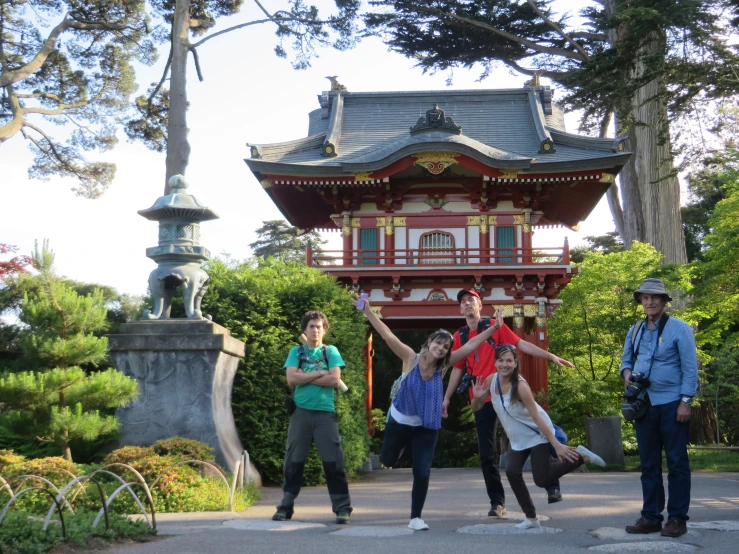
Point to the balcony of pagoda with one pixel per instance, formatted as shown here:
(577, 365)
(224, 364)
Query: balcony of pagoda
(439, 261)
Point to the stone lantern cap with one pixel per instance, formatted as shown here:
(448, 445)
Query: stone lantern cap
(178, 205)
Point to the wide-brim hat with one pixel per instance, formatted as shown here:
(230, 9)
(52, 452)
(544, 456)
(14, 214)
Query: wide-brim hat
(473, 292)
(652, 286)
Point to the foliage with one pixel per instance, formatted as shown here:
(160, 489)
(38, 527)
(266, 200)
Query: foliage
(263, 306)
(279, 240)
(76, 73)
(706, 189)
(610, 242)
(62, 404)
(15, 265)
(589, 329)
(20, 534)
(186, 449)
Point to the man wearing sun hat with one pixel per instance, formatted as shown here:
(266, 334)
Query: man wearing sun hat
(481, 364)
(663, 349)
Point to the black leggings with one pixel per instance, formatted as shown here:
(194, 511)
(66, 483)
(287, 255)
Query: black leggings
(546, 470)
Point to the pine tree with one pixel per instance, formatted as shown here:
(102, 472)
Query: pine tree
(59, 402)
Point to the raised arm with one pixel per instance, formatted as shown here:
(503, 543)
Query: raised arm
(402, 351)
(474, 343)
(524, 392)
(533, 350)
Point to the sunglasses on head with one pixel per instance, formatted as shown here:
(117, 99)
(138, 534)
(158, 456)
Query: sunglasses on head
(504, 347)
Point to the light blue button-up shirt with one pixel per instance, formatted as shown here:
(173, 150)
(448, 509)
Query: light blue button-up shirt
(675, 368)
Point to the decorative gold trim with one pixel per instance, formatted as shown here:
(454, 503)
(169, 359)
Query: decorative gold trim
(530, 310)
(473, 220)
(380, 222)
(484, 225)
(493, 219)
(526, 228)
(356, 222)
(363, 176)
(266, 183)
(541, 322)
(518, 220)
(347, 231)
(518, 318)
(607, 178)
(575, 228)
(399, 221)
(507, 310)
(508, 174)
(377, 310)
(389, 226)
(436, 162)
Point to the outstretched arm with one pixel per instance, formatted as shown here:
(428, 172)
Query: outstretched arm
(533, 350)
(402, 351)
(474, 344)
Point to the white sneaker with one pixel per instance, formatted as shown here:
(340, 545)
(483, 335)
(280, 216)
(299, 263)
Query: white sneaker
(528, 524)
(594, 458)
(417, 524)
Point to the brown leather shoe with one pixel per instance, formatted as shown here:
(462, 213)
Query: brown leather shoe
(644, 526)
(674, 528)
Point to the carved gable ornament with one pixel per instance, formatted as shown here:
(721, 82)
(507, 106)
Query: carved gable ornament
(436, 120)
(436, 162)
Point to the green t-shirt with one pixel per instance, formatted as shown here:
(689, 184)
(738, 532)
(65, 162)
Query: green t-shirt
(315, 397)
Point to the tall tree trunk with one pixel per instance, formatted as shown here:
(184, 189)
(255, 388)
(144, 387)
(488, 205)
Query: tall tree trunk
(650, 192)
(178, 148)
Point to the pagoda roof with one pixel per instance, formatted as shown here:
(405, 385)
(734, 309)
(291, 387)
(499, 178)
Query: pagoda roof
(506, 128)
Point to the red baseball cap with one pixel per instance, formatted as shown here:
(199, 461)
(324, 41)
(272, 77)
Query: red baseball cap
(461, 293)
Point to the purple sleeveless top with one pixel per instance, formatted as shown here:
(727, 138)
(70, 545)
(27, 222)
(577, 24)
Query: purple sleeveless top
(421, 398)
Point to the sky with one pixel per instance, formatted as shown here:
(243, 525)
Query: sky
(249, 95)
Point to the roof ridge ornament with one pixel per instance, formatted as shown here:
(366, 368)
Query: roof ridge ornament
(436, 120)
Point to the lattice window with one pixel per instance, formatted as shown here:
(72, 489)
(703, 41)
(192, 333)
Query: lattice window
(439, 245)
(185, 232)
(165, 232)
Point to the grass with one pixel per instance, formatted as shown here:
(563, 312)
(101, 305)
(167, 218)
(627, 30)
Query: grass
(700, 461)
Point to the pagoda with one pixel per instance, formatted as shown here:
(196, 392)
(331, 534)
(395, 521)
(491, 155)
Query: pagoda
(435, 191)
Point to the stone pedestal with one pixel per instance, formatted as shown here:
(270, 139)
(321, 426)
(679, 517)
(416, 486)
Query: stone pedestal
(604, 438)
(185, 370)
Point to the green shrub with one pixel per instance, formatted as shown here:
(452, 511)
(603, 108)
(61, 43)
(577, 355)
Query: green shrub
(187, 449)
(23, 535)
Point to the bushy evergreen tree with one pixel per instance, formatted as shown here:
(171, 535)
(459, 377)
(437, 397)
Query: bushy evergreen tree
(58, 401)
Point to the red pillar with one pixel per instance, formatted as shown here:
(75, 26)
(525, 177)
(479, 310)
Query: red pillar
(389, 241)
(348, 243)
(484, 240)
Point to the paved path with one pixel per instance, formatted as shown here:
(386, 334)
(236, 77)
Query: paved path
(595, 509)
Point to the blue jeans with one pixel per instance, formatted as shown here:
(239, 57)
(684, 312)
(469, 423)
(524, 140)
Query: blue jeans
(658, 430)
(423, 445)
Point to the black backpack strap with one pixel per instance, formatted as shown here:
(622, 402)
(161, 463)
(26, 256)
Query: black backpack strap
(325, 356)
(303, 355)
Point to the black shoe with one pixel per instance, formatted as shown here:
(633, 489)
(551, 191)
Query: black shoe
(343, 517)
(643, 526)
(281, 515)
(674, 528)
(554, 495)
(498, 511)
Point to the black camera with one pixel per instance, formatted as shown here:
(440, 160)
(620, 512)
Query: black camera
(636, 399)
(466, 383)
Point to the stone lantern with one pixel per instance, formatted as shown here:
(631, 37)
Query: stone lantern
(179, 253)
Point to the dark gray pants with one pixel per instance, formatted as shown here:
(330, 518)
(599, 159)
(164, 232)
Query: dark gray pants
(545, 469)
(305, 427)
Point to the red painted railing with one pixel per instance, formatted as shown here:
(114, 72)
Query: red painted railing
(439, 257)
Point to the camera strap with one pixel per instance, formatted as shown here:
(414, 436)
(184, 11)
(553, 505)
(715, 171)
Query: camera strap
(639, 328)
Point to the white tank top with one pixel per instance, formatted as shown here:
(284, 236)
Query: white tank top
(520, 427)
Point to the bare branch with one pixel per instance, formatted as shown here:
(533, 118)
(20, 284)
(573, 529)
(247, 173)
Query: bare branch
(161, 81)
(559, 30)
(46, 95)
(196, 59)
(51, 150)
(83, 127)
(554, 75)
(234, 28)
(591, 36)
(513, 38)
(65, 107)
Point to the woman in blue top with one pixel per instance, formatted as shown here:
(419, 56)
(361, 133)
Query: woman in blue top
(415, 413)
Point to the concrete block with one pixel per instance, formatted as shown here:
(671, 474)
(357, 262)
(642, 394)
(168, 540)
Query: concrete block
(604, 438)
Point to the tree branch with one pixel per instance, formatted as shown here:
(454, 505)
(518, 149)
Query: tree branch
(591, 36)
(559, 30)
(64, 107)
(196, 59)
(51, 150)
(554, 75)
(234, 28)
(161, 81)
(513, 38)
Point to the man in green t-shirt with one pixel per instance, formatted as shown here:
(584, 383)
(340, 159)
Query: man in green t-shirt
(314, 419)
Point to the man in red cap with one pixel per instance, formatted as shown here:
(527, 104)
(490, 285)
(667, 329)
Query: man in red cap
(481, 364)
